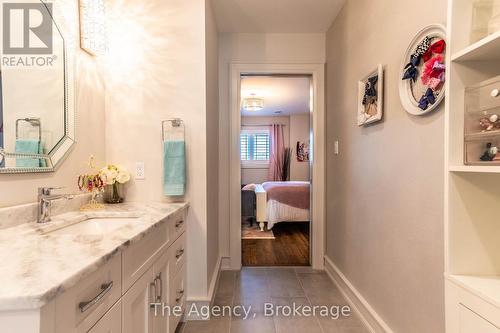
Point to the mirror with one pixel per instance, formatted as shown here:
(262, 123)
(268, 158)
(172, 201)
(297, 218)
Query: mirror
(36, 88)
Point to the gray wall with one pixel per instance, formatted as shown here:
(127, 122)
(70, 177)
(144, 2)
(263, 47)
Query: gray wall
(385, 189)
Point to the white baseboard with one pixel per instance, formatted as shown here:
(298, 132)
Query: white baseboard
(206, 301)
(368, 315)
(225, 264)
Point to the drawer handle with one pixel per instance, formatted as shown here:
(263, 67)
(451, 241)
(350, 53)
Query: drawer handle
(179, 253)
(495, 93)
(105, 288)
(178, 224)
(180, 293)
(160, 292)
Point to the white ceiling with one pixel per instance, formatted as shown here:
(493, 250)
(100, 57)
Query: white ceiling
(275, 16)
(290, 95)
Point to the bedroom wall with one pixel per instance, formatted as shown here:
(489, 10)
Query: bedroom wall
(259, 175)
(299, 131)
(253, 48)
(385, 189)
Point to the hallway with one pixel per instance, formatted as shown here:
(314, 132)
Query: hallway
(279, 286)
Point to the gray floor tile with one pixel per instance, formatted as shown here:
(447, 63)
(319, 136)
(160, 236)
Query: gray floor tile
(284, 283)
(226, 285)
(219, 325)
(279, 286)
(259, 324)
(350, 324)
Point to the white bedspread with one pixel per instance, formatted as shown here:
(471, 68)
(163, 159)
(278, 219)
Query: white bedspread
(279, 212)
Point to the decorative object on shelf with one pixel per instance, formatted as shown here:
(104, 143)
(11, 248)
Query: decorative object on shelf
(490, 154)
(93, 26)
(423, 71)
(490, 123)
(91, 183)
(482, 123)
(302, 151)
(114, 177)
(253, 103)
(370, 97)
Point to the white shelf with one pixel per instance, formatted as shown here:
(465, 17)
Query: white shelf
(485, 287)
(475, 168)
(487, 48)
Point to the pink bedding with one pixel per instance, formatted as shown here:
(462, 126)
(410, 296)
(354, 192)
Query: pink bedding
(295, 194)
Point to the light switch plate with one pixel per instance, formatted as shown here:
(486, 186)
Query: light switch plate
(140, 170)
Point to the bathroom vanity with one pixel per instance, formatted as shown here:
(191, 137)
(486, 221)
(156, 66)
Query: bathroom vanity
(95, 271)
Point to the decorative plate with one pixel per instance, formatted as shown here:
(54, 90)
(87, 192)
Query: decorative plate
(423, 72)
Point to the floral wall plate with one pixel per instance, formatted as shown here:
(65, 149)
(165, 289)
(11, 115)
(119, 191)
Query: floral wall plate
(423, 72)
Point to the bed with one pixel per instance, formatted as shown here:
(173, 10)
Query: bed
(282, 202)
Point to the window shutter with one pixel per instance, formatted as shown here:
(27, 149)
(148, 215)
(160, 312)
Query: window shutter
(245, 147)
(261, 147)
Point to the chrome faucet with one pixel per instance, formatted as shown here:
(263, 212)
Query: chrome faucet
(45, 198)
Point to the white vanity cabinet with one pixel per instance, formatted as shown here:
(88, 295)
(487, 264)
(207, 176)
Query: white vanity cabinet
(136, 314)
(111, 322)
(118, 296)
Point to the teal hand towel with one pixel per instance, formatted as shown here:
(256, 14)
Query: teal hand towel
(27, 146)
(174, 165)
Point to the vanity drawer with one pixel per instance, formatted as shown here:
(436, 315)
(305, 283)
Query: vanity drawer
(178, 254)
(177, 224)
(177, 297)
(81, 306)
(138, 257)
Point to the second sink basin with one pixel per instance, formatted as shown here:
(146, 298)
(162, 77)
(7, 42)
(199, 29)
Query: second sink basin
(94, 226)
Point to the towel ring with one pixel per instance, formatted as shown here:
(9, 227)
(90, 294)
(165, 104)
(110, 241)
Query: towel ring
(35, 122)
(175, 123)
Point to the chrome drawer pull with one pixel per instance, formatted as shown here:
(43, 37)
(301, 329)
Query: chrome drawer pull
(179, 223)
(105, 288)
(179, 253)
(181, 293)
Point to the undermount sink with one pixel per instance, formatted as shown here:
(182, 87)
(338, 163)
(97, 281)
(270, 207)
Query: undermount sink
(94, 226)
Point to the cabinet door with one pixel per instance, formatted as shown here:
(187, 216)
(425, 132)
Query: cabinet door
(111, 322)
(137, 315)
(162, 274)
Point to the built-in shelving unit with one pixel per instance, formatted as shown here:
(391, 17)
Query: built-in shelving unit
(472, 192)
(487, 48)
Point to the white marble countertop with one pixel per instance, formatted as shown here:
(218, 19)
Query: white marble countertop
(36, 265)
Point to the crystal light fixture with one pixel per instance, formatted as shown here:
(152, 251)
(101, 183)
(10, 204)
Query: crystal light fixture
(253, 103)
(93, 26)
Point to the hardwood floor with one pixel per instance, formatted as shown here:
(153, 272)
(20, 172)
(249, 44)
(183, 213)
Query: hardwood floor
(290, 248)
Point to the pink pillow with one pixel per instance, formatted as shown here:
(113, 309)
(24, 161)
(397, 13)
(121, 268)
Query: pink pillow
(249, 187)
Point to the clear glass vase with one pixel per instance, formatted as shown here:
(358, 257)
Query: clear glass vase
(113, 194)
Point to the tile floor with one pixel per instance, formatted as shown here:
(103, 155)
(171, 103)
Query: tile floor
(280, 286)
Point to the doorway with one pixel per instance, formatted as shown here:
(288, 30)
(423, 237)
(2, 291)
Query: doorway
(315, 228)
(275, 139)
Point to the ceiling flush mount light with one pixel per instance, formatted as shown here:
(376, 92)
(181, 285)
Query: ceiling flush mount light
(253, 103)
(93, 26)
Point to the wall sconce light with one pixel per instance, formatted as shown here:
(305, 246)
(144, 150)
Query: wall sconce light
(93, 26)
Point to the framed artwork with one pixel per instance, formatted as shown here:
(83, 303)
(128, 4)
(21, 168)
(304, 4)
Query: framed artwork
(423, 71)
(370, 97)
(302, 151)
